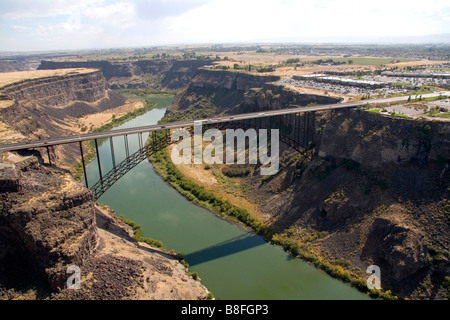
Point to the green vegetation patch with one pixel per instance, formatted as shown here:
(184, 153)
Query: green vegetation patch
(236, 171)
(115, 122)
(138, 233)
(368, 61)
(199, 195)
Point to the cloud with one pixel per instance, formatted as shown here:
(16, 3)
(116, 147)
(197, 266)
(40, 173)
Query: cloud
(160, 9)
(23, 9)
(50, 24)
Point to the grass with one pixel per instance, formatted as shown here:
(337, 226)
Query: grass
(149, 105)
(369, 61)
(335, 270)
(138, 234)
(401, 84)
(89, 155)
(143, 94)
(400, 115)
(438, 114)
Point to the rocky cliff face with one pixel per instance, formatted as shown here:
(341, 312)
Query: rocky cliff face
(44, 107)
(159, 73)
(219, 91)
(205, 78)
(58, 91)
(47, 218)
(48, 222)
(376, 190)
(109, 69)
(398, 141)
(274, 97)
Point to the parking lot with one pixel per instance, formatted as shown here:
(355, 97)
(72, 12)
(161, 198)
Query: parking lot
(394, 85)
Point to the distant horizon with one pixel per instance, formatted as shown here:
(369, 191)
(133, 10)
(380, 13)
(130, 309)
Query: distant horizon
(45, 25)
(440, 39)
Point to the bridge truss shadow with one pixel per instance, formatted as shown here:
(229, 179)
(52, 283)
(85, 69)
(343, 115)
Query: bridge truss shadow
(223, 249)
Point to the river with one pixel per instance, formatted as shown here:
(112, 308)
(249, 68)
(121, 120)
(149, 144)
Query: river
(233, 264)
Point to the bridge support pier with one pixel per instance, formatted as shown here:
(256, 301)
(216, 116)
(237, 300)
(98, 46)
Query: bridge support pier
(48, 155)
(84, 165)
(127, 150)
(98, 161)
(140, 140)
(113, 156)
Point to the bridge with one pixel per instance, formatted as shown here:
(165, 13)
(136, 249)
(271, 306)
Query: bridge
(262, 119)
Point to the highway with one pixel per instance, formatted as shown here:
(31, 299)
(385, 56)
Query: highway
(173, 125)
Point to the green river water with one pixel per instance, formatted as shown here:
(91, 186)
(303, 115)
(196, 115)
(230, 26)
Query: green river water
(233, 263)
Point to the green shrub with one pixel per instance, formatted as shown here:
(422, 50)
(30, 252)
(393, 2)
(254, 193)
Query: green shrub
(138, 233)
(194, 275)
(236, 171)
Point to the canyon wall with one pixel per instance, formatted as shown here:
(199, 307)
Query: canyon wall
(215, 79)
(58, 91)
(49, 222)
(50, 106)
(156, 73)
(109, 69)
(365, 189)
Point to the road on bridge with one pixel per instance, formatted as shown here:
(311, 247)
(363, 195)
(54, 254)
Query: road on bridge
(174, 125)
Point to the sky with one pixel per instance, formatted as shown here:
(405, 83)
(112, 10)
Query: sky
(38, 25)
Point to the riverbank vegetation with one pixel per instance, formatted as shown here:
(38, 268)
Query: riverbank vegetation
(115, 122)
(199, 195)
(225, 209)
(138, 234)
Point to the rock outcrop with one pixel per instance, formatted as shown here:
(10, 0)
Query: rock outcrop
(399, 249)
(208, 78)
(45, 107)
(109, 69)
(48, 216)
(379, 187)
(49, 222)
(59, 91)
(166, 73)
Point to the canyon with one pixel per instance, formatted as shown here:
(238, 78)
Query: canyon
(49, 221)
(364, 189)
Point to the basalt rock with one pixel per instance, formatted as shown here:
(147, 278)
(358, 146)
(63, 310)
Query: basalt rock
(49, 222)
(60, 90)
(50, 219)
(399, 249)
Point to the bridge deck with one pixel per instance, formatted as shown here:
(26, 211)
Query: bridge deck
(174, 125)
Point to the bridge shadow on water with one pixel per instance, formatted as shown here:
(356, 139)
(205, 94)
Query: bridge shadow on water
(223, 249)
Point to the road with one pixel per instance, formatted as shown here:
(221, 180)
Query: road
(174, 125)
